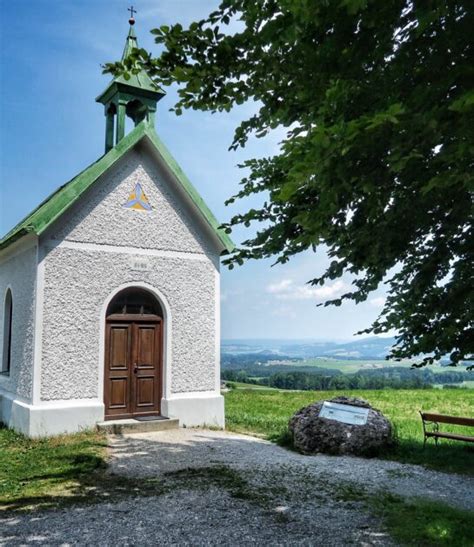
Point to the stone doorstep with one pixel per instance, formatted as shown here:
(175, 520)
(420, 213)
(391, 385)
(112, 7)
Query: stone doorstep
(130, 425)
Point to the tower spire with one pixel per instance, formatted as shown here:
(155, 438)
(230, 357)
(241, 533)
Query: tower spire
(135, 98)
(131, 41)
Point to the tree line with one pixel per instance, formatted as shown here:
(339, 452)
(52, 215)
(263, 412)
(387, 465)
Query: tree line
(394, 378)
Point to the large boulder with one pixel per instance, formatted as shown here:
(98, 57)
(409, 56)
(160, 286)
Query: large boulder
(313, 434)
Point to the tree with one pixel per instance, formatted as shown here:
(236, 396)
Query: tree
(377, 100)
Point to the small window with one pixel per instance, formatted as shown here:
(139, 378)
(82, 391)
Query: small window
(7, 333)
(134, 301)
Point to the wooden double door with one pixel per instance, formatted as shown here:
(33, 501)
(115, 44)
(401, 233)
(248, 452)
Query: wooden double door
(133, 366)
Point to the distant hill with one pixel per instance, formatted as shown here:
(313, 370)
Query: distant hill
(367, 348)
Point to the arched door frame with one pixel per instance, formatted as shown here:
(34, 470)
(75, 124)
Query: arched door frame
(166, 372)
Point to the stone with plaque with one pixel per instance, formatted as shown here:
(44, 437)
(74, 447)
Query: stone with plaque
(343, 425)
(347, 414)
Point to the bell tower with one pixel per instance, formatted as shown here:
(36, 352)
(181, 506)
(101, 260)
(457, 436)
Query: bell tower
(135, 98)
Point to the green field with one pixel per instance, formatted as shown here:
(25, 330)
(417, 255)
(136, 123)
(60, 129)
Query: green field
(266, 413)
(241, 385)
(348, 366)
(351, 366)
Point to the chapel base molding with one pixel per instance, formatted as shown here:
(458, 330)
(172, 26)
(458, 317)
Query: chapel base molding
(58, 417)
(44, 420)
(195, 409)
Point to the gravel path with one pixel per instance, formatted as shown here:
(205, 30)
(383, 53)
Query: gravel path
(151, 453)
(187, 518)
(263, 495)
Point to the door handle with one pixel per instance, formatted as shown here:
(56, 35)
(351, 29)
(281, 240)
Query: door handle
(135, 368)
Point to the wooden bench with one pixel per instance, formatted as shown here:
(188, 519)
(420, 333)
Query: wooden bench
(436, 419)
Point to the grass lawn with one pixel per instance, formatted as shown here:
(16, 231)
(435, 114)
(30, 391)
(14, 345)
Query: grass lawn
(44, 472)
(241, 385)
(414, 521)
(266, 413)
(424, 522)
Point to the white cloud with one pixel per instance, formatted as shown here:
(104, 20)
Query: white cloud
(287, 289)
(377, 302)
(281, 286)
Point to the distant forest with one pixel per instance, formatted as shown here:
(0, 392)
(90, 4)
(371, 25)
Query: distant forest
(301, 377)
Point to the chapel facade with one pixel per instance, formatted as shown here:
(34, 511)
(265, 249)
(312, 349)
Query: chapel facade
(109, 290)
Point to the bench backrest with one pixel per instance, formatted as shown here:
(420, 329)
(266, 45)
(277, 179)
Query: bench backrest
(443, 419)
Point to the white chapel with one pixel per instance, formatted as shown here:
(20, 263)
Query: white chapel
(109, 289)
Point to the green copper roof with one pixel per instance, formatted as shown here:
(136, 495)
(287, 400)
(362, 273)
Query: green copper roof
(130, 44)
(141, 81)
(62, 199)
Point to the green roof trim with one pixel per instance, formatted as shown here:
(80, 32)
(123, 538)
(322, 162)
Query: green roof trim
(64, 197)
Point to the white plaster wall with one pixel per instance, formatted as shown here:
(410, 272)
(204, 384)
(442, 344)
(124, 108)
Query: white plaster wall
(100, 218)
(79, 281)
(19, 273)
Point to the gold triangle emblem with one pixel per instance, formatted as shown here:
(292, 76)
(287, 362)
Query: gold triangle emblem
(137, 199)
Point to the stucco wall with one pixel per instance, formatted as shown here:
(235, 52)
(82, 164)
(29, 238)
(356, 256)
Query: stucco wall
(90, 252)
(19, 273)
(78, 283)
(100, 217)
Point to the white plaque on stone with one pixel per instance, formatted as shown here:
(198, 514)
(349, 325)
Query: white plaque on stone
(347, 414)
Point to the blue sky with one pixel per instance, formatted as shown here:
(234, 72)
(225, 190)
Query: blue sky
(51, 128)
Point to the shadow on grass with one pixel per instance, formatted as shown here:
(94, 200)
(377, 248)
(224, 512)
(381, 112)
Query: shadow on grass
(77, 489)
(449, 458)
(424, 522)
(100, 485)
(74, 467)
(48, 472)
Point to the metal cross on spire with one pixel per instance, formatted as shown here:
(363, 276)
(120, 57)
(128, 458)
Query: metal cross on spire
(132, 11)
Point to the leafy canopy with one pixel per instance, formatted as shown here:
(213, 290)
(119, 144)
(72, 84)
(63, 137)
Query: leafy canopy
(377, 100)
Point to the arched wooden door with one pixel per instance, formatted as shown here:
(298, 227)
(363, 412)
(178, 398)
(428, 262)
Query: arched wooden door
(133, 355)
